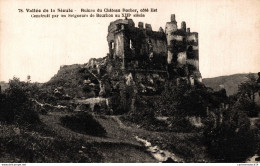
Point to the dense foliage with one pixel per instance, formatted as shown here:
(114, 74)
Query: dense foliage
(227, 133)
(16, 105)
(246, 96)
(185, 100)
(229, 138)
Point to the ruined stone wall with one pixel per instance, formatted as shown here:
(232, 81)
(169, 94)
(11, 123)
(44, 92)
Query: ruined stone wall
(192, 48)
(159, 46)
(145, 53)
(145, 49)
(119, 45)
(137, 47)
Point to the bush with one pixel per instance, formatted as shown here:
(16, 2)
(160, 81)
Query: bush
(193, 103)
(46, 96)
(231, 140)
(182, 99)
(180, 124)
(141, 115)
(248, 106)
(83, 123)
(16, 105)
(122, 101)
(115, 104)
(144, 115)
(144, 111)
(145, 118)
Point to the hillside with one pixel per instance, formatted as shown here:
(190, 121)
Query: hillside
(230, 82)
(71, 79)
(74, 81)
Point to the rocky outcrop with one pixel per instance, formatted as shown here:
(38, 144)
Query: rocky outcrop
(44, 108)
(157, 153)
(97, 105)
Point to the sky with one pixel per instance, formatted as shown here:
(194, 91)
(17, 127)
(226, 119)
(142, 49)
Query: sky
(229, 34)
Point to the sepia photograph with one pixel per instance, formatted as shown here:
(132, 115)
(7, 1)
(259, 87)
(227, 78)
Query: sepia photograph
(158, 81)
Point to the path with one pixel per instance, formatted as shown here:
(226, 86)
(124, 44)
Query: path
(132, 132)
(120, 145)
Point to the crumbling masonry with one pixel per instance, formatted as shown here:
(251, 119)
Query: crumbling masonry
(149, 55)
(140, 60)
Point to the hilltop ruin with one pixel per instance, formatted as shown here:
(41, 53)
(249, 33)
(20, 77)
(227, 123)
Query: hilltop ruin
(147, 58)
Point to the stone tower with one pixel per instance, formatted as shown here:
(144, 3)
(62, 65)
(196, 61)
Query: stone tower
(182, 51)
(170, 28)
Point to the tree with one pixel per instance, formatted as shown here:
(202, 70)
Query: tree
(28, 78)
(166, 103)
(246, 95)
(183, 100)
(194, 101)
(232, 140)
(16, 105)
(249, 88)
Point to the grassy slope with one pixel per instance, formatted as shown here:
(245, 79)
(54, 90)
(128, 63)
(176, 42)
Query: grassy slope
(187, 146)
(52, 142)
(41, 144)
(68, 78)
(118, 145)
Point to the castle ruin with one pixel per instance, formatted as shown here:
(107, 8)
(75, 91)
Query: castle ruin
(149, 58)
(174, 50)
(171, 53)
